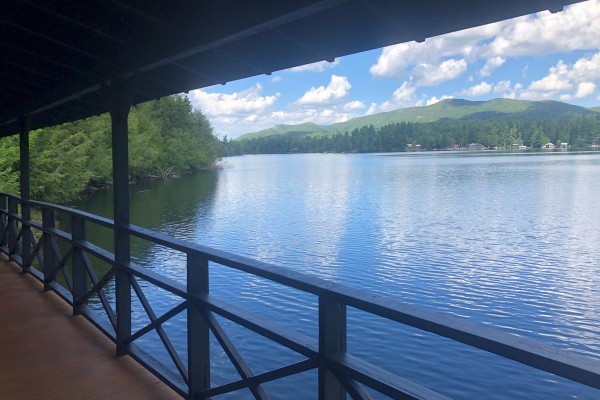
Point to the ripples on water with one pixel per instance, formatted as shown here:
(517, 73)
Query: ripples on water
(504, 240)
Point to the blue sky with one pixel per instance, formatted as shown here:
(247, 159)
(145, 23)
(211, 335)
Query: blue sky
(542, 56)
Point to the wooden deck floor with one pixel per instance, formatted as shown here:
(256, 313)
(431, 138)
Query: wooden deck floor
(47, 353)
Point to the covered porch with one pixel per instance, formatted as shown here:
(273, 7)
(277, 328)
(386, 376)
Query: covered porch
(68, 63)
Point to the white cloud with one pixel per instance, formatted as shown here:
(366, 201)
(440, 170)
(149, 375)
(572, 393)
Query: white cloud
(582, 76)
(276, 79)
(478, 90)
(396, 60)
(585, 89)
(221, 104)
(405, 93)
(432, 75)
(319, 66)
(404, 96)
(586, 68)
(556, 80)
(434, 99)
(502, 87)
(576, 28)
(491, 64)
(337, 89)
(353, 105)
(292, 116)
(234, 126)
(372, 109)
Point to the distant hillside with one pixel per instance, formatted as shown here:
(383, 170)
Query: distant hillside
(305, 128)
(451, 109)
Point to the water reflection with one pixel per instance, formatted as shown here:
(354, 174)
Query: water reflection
(505, 240)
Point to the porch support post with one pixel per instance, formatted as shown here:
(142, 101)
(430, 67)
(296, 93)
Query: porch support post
(120, 93)
(332, 341)
(26, 244)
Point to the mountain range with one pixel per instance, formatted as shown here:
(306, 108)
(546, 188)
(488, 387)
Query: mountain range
(449, 109)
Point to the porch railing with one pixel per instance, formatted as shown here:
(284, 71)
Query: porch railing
(339, 373)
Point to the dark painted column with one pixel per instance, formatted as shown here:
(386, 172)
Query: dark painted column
(198, 329)
(24, 167)
(120, 94)
(332, 342)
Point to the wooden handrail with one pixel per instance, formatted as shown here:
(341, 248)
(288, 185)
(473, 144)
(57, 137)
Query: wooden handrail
(338, 371)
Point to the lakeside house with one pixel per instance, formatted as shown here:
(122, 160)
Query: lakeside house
(548, 146)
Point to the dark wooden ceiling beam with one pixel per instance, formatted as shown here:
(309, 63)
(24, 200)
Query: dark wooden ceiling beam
(164, 51)
(30, 70)
(70, 20)
(16, 88)
(40, 56)
(49, 39)
(182, 45)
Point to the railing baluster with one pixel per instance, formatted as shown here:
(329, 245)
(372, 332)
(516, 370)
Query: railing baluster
(27, 241)
(122, 291)
(3, 219)
(12, 226)
(338, 372)
(198, 328)
(49, 256)
(79, 271)
(332, 340)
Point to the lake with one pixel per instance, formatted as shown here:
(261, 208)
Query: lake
(509, 240)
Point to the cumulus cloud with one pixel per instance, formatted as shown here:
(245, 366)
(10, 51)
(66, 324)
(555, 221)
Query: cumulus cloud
(220, 104)
(582, 77)
(585, 89)
(491, 64)
(250, 110)
(502, 87)
(337, 89)
(353, 105)
(556, 80)
(404, 96)
(478, 90)
(586, 68)
(576, 28)
(372, 109)
(319, 66)
(434, 99)
(432, 75)
(397, 60)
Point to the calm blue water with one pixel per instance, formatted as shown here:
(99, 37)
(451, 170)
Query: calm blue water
(507, 240)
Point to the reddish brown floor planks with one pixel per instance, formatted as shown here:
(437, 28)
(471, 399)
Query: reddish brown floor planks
(47, 353)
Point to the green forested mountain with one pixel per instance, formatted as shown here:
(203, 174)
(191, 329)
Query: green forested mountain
(284, 129)
(579, 131)
(70, 158)
(451, 109)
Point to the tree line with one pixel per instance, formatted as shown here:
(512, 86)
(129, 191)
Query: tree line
(69, 159)
(579, 131)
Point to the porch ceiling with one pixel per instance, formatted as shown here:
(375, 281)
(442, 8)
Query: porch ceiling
(57, 54)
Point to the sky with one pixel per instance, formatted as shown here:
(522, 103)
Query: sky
(542, 56)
